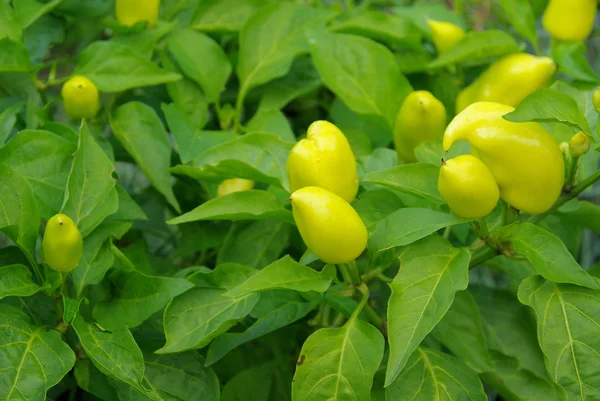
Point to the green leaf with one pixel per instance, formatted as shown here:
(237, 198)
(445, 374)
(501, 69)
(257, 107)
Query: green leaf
(90, 195)
(196, 317)
(113, 67)
(476, 48)
(44, 159)
(374, 86)
(181, 377)
(14, 57)
(115, 354)
(255, 156)
(521, 16)
(288, 308)
(373, 206)
(461, 331)
(510, 328)
(408, 225)
(224, 15)
(254, 384)
(364, 132)
(97, 257)
(338, 364)
(8, 119)
(136, 297)
(518, 384)
(191, 141)
(274, 122)
(201, 59)
(225, 275)
(16, 281)
(21, 218)
(389, 28)
(243, 205)
(271, 39)
(285, 274)
(422, 292)
(568, 322)
(433, 375)
(143, 42)
(419, 180)
(138, 127)
(34, 359)
(420, 12)
(302, 79)
(9, 25)
(571, 58)
(549, 105)
(128, 209)
(547, 253)
(29, 11)
(432, 152)
(255, 244)
(90, 379)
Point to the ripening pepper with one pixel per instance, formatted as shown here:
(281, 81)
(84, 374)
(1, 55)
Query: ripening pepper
(81, 98)
(524, 158)
(508, 80)
(445, 34)
(62, 245)
(468, 187)
(596, 100)
(579, 144)
(324, 159)
(129, 12)
(570, 19)
(421, 118)
(329, 226)
(234, 185)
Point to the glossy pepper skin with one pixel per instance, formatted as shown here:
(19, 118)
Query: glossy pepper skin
(129, 12)
(329, 226)
(570, 19)
(468, 187)
(81, 98)
(324, 159)
(62, 245)
(524, 158)
(421, 118)
(445, 34)
(596, 100)
(508, 80)
(234, 185)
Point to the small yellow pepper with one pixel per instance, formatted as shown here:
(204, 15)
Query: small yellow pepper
(468, 186)
(508, 80)
(234, 185)
(524, 158)
(81, 98)
(62, 245)
(596, 100)
(129, 12)
(445, 34)
(579, 144)
(324, 159)
(329, 226)
(570, 19)
(421, 118)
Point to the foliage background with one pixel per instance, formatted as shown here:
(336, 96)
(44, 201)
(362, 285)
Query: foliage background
(222, 89)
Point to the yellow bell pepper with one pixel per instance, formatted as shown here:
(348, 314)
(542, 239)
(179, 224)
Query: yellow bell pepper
(234, 185)
(81, 98)
(129, 12)
(570, 19)
(524, 158)
(468, 187)
(324, 159)
(329, 226)
(62, 245)
(421, 118)
(508, 80)
(445, 34)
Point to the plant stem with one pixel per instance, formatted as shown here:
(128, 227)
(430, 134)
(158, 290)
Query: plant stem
(573, 193)
(481, 255)
(374, 317)
(345, 274)
(352, 272)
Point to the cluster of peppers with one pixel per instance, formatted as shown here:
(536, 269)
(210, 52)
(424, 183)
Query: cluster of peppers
(505, 162)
